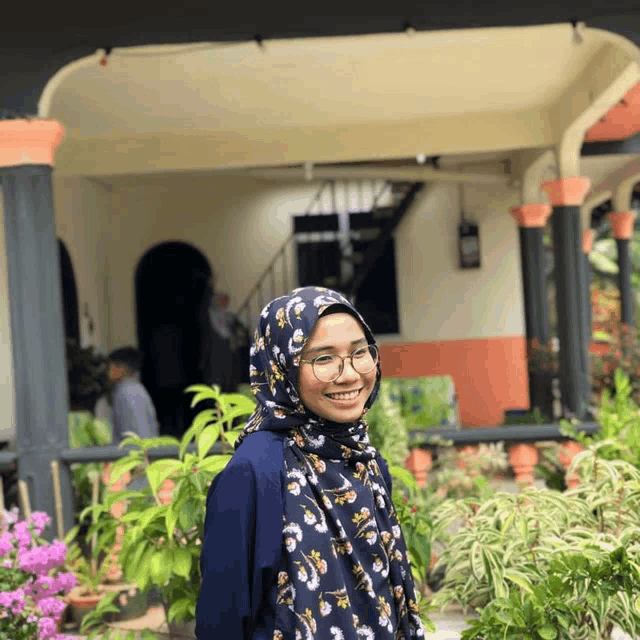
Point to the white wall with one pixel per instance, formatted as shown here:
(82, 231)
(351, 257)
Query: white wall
(238, 223)
(82, 209)
(437, 300)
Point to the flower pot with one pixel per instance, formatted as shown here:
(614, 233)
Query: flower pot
(464, 453)
(419, 463)
(568, 450)
(81, 603)
(523, 459)
(131, 602)
(182, 630)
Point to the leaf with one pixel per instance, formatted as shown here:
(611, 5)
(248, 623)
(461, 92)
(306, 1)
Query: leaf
(157, 472)
(520, 579)
(170, 519)
(179, 609)
(232, 436)
(603, 263)
(182, 560)
(123, 466)
(207, 438)
(214, 464)
(203, 392)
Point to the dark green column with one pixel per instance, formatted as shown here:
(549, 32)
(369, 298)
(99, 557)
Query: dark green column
(622, 226)
(566, 197)
(35, 309)
(531, 219)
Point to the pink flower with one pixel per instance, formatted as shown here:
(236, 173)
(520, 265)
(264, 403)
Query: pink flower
(40, 521)
(6, 543)
(22, 535)
(65, 582)
(52, 607)
(47, 627)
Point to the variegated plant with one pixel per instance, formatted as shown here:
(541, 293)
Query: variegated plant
(546, 565)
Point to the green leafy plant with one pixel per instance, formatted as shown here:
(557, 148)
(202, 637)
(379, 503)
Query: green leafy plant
(87, 376)
(530, 417)
(91, 573)
(161, 542)
(467, 474)
(619, 420)
(545, 565)
(388, 431)
(85, 430)
(414, 507)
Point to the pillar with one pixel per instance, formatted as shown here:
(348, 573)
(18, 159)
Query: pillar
(531, 219)
(566, 196)
(35, 308)
(587, 245)
(622, 226)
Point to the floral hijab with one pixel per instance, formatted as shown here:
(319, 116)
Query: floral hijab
(345, 572)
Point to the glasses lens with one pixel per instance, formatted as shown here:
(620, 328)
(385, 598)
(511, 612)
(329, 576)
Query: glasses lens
(326, 368)
(365, 359)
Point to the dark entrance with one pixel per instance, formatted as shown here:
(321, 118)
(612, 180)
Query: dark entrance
(69, 295)
(170, 283)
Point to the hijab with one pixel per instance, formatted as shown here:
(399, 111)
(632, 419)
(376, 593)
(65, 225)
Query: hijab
(345, 573)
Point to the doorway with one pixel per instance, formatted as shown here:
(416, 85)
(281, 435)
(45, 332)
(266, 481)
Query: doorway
(170, 284)
(69, 295)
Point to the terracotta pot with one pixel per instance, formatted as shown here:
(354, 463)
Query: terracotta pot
(182, 630)
(419, 463)
(468, 450)
(568, 450)
(81, 604)
(523, 459)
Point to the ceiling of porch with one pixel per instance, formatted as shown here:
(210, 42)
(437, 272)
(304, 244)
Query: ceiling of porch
(316, 82)
(334, 99)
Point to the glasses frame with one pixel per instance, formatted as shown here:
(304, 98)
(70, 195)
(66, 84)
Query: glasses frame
(342, 359)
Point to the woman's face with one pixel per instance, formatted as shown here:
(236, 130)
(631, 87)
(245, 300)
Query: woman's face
(343, 399)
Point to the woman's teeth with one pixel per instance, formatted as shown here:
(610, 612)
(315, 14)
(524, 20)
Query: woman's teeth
(344, 396)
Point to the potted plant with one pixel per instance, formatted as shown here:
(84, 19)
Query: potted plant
(546, 565)
(85, 430)
(161, 542)
(87, 376)
(544, 366)
(32, 585)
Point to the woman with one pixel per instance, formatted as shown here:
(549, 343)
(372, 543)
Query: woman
(301, 538)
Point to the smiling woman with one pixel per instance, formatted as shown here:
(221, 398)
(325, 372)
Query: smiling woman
(301, 537)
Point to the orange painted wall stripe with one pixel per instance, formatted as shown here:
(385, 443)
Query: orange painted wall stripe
(490, 374)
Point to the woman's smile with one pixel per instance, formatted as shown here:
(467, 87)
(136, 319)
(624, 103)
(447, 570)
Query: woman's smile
(344, 396)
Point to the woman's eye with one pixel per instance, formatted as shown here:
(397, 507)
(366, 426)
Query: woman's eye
(361, 353)
(324, 360)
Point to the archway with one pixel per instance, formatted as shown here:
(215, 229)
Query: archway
(69, 295)
(170, 283)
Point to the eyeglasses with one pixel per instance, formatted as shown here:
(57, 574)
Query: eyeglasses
(327, 368)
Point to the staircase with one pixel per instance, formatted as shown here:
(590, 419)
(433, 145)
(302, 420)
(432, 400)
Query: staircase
(335, 250)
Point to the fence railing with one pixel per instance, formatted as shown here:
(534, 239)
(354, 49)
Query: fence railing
(419, 437)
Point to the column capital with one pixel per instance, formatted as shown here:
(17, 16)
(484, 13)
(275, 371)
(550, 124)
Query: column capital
(622, 223)
(567, 191)
(29, 141)
(587, 240)
(531, 215)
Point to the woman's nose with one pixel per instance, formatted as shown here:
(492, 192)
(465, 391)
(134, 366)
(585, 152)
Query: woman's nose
(348, 372)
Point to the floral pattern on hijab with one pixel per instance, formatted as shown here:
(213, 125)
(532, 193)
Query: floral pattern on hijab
(345, 572)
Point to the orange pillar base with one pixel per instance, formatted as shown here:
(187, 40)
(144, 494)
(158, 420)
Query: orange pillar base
(419, 463)
(568, 450)
(523, 459)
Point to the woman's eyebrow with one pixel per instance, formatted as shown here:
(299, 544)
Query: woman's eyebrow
(331, 348)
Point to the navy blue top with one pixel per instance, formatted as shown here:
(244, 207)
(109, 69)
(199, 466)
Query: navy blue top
(242, 549)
